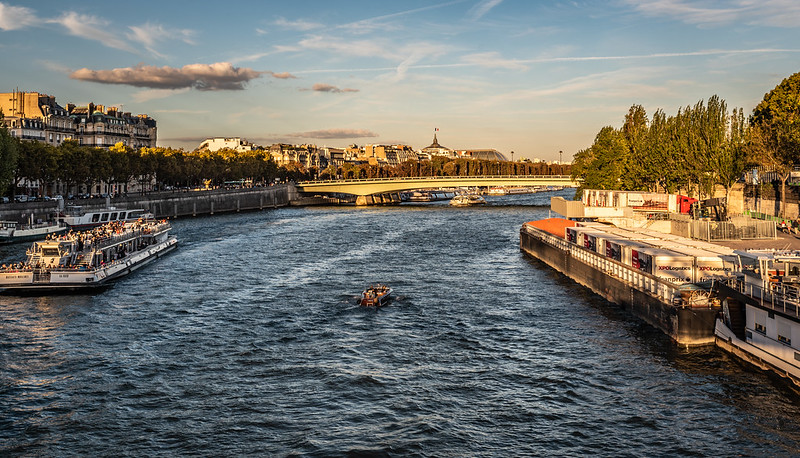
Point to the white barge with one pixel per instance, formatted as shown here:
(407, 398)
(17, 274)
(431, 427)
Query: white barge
(88, 260)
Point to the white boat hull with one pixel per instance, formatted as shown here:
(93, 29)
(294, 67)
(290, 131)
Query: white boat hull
(75, 280)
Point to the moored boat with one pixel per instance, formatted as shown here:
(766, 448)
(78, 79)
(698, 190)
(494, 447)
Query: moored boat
(88, 260)
(76, 217)
(761, 311)
(466, 200)
(375, 296)
(13, 232)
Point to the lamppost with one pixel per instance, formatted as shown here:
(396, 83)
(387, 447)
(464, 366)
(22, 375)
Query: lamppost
(559, 157)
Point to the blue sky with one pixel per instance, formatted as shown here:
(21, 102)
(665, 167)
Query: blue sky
(528, 76)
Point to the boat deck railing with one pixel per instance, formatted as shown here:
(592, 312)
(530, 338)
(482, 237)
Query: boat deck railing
(106, 242)
(779, 297)
(642, 281)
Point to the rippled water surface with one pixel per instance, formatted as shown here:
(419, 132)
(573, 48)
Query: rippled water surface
(248, 340)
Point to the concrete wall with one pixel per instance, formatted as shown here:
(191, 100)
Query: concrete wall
(168, 204)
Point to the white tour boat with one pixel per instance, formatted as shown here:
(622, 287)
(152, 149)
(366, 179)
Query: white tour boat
(77, 217)
(87, 260)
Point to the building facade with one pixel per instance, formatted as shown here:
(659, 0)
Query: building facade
(34, 116)
(217, 143)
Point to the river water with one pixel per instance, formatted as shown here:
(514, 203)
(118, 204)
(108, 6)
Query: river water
(248, 340)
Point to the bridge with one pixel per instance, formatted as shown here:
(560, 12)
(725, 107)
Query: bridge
(383, 186)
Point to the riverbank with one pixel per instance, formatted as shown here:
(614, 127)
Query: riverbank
(167, 204)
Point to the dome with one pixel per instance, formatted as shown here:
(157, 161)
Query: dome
(487, 155)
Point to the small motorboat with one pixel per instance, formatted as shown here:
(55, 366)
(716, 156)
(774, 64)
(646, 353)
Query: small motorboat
(375, 296)
(467, 200)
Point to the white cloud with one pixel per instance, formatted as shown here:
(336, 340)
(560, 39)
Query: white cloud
(492, 60)
(303, 26)
(483, 7)
(91, 28)
(204, 77)
(772, 13)
(154, 94)
(149, 35)
(16, 17)
(334, 134)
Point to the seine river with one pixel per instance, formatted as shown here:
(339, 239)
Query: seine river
(248, 340)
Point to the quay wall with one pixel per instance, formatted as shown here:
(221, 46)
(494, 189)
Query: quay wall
(168, 204)
(686, 326)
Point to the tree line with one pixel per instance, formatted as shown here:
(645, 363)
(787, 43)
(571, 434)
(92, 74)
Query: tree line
(77, 166)
(698, 148)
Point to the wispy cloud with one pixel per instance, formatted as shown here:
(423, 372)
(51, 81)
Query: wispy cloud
(773, 13)
(55, 67)
(92, 28)
(334, 134)
(555, 59)
(155, 94)
(492, 60)
(322, 87)
(149, 35)
(16, 17)
(188, 112)
(373, 20)
(220, 76)
(483, 7)
(303, 26)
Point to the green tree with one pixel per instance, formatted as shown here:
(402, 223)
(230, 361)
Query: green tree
(9, 152)
(775, 131)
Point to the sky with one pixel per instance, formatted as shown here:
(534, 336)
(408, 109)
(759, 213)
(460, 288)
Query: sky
(524, 76)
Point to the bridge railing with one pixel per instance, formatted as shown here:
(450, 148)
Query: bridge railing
(439, 178)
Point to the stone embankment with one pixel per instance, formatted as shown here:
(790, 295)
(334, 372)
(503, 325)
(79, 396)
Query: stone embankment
(167, 204)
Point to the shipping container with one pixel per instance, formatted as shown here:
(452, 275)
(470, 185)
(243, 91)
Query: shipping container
(665, 265)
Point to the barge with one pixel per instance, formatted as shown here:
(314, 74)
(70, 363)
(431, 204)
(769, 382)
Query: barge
(667, 289)
(89, 260)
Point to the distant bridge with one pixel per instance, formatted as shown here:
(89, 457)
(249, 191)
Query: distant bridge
(378, 186)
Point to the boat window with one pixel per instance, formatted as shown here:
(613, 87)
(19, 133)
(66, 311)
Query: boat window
(104, 218)
(96, 217)
(50, 252)
(113, 216)
(121, 215)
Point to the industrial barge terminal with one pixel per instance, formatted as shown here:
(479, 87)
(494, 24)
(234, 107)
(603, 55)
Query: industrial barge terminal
(746, 301)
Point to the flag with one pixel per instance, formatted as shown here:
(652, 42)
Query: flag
(436, 129)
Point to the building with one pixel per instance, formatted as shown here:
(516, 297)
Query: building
(35, 116)
(485, 154)
(390, 154)
(217, 143)
(435, 149)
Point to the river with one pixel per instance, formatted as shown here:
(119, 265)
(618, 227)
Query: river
(248, 340)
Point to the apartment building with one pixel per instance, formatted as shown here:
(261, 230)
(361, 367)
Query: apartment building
(34, 116)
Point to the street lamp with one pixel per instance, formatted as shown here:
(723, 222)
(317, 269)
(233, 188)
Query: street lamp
(559, 157)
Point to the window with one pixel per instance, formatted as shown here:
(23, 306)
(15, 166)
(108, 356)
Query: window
(784, 332)
(761, 328)
(113, 216)
(96, 217)
(104, 218)
(121, 215)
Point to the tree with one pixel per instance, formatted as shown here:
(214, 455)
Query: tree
(775, 131)
(8, 156)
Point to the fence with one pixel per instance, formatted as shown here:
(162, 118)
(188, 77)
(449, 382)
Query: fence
(739, 228)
